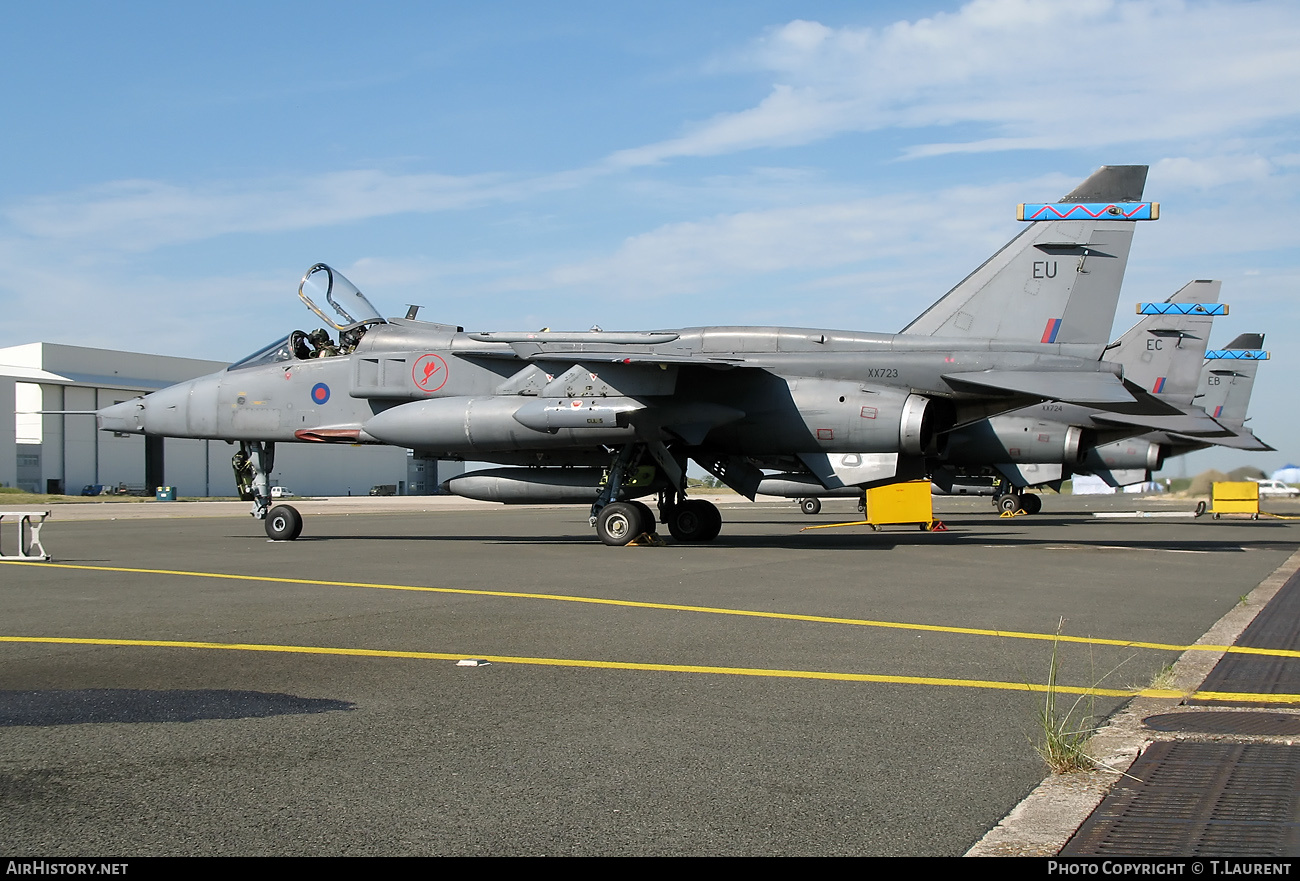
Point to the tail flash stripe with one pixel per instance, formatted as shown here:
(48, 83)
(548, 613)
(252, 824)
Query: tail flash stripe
(1052, 329)
(1217, 411)
(1091, 210)
(1160, 384)
(1236, 355)
(1182, 308)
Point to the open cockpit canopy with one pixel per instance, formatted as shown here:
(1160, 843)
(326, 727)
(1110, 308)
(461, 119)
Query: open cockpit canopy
(347, 308)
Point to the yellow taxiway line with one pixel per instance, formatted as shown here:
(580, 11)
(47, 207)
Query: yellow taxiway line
(663, 668)
(676, 607)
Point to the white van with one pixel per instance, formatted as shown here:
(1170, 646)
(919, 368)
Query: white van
(1276, 488)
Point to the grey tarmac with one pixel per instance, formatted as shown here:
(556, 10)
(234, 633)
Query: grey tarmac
(715, 745)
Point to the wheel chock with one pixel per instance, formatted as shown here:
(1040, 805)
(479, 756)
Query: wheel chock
(647, 540)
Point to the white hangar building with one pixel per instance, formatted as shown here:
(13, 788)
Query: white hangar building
(63, 452)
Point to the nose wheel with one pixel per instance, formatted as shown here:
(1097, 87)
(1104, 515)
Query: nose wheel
(283, 523)
(253, 464)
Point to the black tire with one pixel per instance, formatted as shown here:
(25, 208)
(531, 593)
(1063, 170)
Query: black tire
(1031, 503)
(283, 523)
(810, 506)
(714, 521)
(618, 523)
(1009, 503)
(648, 518)
(695, 520)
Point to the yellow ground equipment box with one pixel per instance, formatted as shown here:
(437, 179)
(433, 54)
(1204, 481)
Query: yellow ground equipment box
(1235, 497)
(896, 503)
(900, 503)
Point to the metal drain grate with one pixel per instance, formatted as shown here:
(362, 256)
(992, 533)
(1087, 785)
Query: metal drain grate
(1276, 627)
(1199, 799)
(1231, 722)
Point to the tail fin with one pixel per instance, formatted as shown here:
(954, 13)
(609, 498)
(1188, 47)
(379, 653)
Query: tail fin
(1162, 353)
(1228, 380)
(1056, 282)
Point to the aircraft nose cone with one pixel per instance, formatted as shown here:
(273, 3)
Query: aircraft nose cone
(127, 416)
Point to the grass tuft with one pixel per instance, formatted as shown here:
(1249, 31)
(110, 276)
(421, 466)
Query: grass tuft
(1062, 735)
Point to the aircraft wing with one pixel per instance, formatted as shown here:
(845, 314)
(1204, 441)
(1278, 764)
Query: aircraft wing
(1237, 440)
(1071, 387)
(1193, 425)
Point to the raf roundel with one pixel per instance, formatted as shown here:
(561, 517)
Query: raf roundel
(320, 393)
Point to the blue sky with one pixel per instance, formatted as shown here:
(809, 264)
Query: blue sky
(172, 169)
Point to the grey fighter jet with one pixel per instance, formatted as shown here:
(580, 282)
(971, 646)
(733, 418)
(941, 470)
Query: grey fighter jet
(604, 418)
(1044, 443)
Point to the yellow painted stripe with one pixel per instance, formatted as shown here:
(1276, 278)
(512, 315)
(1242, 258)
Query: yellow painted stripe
(659, 668)
(675, 607)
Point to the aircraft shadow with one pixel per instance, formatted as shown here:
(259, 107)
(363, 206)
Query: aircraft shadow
(859, 539)
(98, 705)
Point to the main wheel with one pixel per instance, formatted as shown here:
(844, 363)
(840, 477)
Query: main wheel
(283, 523)
(1009, 503)
(1031, 503)
(618, 523)
(713, 519)
(695, 520)
(648, 518)
(810, 506)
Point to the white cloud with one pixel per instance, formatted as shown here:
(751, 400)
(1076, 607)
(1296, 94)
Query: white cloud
(139, 215)
(698, 255)
(1025, 74)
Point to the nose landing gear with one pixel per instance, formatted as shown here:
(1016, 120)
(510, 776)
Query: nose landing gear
(253, 464)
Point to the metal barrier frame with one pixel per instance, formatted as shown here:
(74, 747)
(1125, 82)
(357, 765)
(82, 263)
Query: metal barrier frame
(29, 535)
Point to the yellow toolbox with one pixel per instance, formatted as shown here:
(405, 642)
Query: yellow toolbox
(1235, 497)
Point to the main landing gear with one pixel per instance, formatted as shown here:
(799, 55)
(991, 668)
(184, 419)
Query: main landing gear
(619, 520)
(253, 464)
(1018, 502)
(688, 520)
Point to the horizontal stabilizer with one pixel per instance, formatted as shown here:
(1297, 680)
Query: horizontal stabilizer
(1074, 388)
(1199, 426)
(1244, 440)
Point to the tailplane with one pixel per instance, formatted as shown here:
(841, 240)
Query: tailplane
(1228, 378)
(1059, 280)
(1162, 353)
